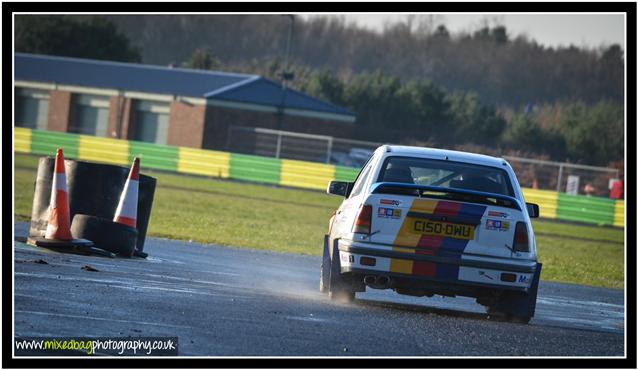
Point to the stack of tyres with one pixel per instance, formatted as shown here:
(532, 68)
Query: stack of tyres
(94, 190)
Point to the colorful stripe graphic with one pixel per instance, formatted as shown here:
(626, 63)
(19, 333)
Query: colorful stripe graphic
(435, 245)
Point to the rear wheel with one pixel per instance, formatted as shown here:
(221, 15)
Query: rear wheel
(512, 307)
(504, 316)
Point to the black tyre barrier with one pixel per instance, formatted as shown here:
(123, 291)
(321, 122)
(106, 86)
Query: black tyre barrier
(94, 189)
(105, 234)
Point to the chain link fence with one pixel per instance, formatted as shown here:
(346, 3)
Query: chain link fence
(531, 173)
(549, 175)
(299, 146)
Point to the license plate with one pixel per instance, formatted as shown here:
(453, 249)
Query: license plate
(447, 229)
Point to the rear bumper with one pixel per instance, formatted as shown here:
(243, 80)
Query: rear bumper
(465, 272)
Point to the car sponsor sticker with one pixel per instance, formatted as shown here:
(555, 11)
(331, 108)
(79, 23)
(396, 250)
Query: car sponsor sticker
(497, 225)
(391, 202)
(346, 258)
(389, 213)
(497, 214)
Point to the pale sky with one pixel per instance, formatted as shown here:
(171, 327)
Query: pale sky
(589, 30)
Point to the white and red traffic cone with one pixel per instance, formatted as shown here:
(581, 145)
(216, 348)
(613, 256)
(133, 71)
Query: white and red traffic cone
(59, 226)
(58, 232)
(126, 212)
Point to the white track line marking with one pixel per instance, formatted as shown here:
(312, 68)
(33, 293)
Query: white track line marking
(100, 319)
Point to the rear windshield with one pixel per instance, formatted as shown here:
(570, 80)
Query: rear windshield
(447, 174)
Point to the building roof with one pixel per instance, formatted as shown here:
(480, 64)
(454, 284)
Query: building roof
(212, 85)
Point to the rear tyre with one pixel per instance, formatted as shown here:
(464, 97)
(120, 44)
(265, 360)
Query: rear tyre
(339, 288)
(504, 316)
(512, 307)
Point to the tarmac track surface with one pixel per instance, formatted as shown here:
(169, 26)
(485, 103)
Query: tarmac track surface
(222, 301)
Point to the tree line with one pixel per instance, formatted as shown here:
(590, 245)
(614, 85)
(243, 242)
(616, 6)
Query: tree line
(420, 112)
(503, 70)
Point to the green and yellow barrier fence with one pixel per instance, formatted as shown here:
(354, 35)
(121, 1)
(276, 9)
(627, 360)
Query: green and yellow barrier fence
(593, 210)
(346, 173)
(47, 142)
(22, 141)
(255, 168)
(203, 162)
(619, 214)
(161, 157)
(98, 149)
(547, 201)
(308, 175)
(299, 174)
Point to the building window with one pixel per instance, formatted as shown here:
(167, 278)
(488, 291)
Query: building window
(32, 108)
(151, 122)
(91, 115)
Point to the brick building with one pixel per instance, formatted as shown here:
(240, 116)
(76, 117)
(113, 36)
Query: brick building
(162, 105)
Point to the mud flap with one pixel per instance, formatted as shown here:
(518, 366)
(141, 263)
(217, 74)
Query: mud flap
(325, 266)
(342, 282)
(521, 305)
(533, 292)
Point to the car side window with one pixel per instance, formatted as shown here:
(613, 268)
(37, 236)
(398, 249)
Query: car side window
(358, 186)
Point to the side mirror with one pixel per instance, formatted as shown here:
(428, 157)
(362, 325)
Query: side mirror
(339, 188)
(533, 210)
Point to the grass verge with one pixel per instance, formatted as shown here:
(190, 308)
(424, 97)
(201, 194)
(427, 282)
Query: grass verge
(289, 220)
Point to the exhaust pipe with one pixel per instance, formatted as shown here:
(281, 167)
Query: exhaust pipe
(383, 281)
(369, 280)
(377, 281)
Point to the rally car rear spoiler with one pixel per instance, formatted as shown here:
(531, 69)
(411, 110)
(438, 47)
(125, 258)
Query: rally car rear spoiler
(404, 189)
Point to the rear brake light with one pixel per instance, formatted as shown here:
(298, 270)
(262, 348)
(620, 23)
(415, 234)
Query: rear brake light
(368, 261)
(363, 222)
(521, 240)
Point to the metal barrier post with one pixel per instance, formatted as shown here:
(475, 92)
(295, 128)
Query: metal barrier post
(278, 145)
(329, 150)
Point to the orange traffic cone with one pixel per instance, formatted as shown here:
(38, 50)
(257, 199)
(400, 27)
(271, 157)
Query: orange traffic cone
(58, 232)
(126, 212)
(59, 226)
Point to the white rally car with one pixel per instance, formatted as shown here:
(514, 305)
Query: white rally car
(426, 221)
